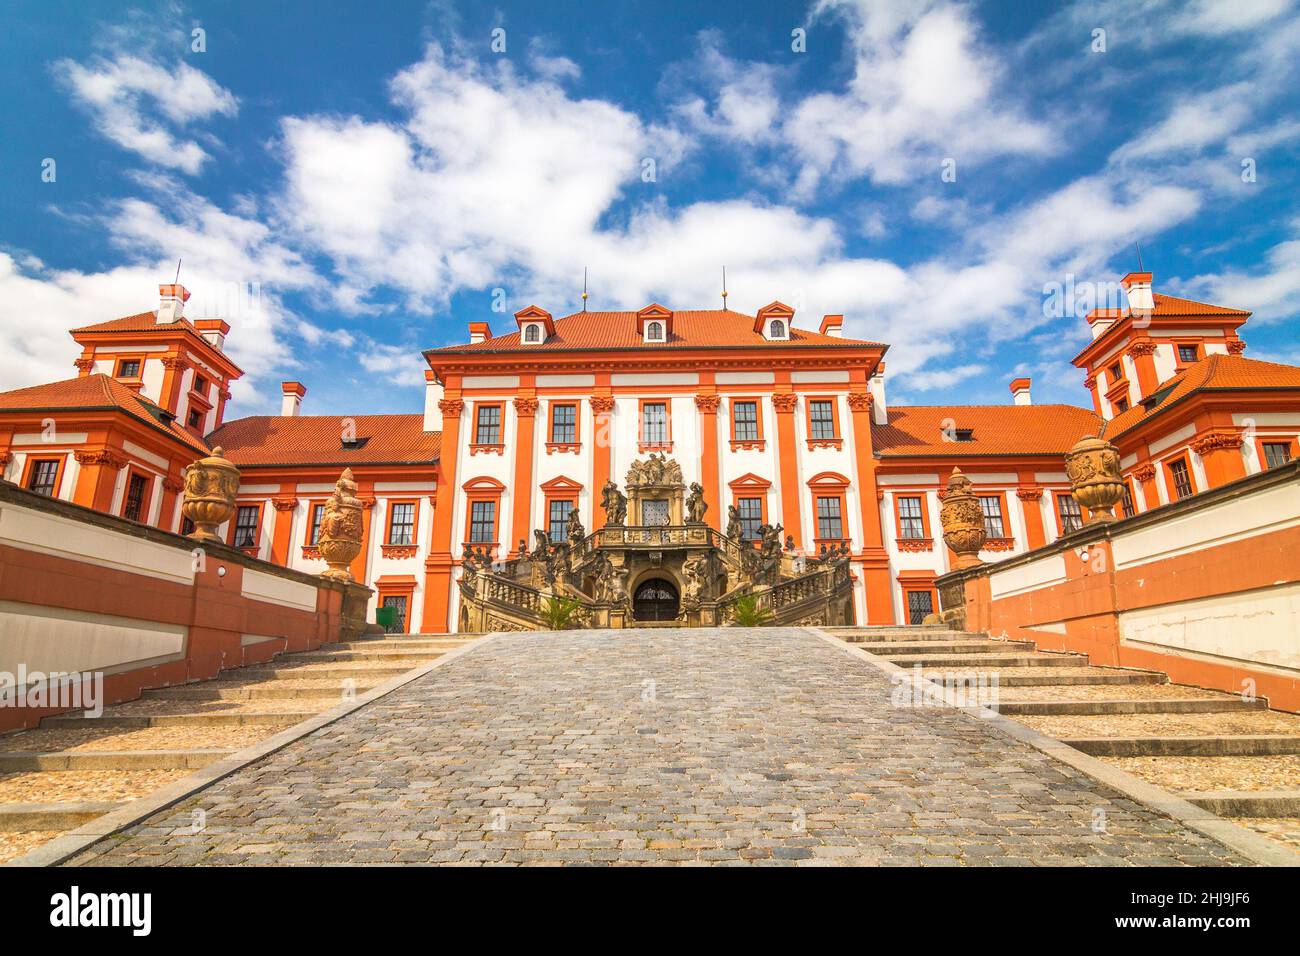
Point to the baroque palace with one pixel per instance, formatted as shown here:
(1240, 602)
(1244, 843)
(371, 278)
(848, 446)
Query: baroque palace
(652, 466)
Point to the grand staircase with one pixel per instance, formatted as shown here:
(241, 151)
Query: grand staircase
(1226, 753)
(73, 769)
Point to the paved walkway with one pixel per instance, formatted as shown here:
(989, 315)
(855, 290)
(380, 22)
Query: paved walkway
(656, 746)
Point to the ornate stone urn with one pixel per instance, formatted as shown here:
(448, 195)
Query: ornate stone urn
(963, 521)
(210, 487)
(340, 528)
(1093, 467)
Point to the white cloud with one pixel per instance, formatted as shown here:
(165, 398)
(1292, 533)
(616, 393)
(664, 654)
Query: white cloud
(1272, 292)
(727, 98)
(1194, 123)
(129, 98)
(924, 89)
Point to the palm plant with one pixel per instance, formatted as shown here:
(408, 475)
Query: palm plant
(559, 612)
(746, 612)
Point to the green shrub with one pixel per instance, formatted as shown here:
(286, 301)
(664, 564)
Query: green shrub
(559, 612)
(745, 612)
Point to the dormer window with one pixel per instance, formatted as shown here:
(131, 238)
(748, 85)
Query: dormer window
(532, 333)
(773, 322)
(535, 326)
(654, 332)
(776, 330)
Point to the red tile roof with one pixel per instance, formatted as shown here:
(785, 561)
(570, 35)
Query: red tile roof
(1172, 305)
(697, 328)
(919, 430)
(141, 322)
(96, 392)
(1213, 373)
(317, 440)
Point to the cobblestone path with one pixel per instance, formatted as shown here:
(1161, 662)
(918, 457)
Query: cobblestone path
(767, 746)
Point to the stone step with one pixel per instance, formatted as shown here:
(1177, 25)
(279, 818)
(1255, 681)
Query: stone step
(315, 657)
(26, 817)
(1228, 745)
(404, 643)
(1186, 705)
(1048, 679)
(23, 760)
(249, 693)
(1246, 803)
(952, 647)
(137, 721)
(970, 661)
(325, 673)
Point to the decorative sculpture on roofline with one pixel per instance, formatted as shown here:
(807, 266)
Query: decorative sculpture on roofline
(340, 528)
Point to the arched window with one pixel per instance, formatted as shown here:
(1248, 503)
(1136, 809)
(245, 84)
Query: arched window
(777, 329)
(532, 333)
(654, 332)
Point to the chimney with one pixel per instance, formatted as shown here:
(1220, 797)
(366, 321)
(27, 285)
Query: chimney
(1020, 391)
(214, 330)
(479, 332)
(291, 404)
(876, 386)
(171, 304)
(1137, 285)
(832, 325)
(433, 394)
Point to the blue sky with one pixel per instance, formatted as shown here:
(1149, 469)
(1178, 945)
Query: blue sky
(350, 183)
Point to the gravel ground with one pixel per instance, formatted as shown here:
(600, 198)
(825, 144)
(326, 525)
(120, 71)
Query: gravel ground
(16, 844)
(1180, 774)
(84, 785)
(1285, 830)
(149, 738)
(1166, 725)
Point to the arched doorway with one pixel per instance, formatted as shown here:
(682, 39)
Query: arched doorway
(655, 600)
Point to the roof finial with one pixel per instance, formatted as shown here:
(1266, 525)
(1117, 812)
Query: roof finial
(724, 288)
(584, 288)
(177, 280)
(1139, 249)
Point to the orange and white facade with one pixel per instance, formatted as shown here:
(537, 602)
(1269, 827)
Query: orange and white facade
(789, 425)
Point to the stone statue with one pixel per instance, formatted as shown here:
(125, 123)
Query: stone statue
(340, 528)
(541, 545)
(695, 571)
(735, 527)
(696, 506)
(614, 502)
(789, 542)
(576, 531)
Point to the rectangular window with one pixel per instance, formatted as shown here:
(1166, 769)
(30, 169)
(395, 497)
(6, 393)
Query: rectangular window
(1121, 406)
(1182, 479)
(317, 515)
(1186, 354)
(195, 418)
(200, 385)
(654, 423)
(911, 524)
(43, 477)
(401, 522)
(1067, 509)
(746, 420)
(1276, 453)
(398, 603)
(135, 486)
(564, 424)
(751, 517)
(920, 604)
(654, 513)
(991, 505)
(830, 524)
(487, 431)
(128, 368)
(1116, 373)
(246, 526)
(483, 522)
(821, 416)
(1127, 503)
(557, 520)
